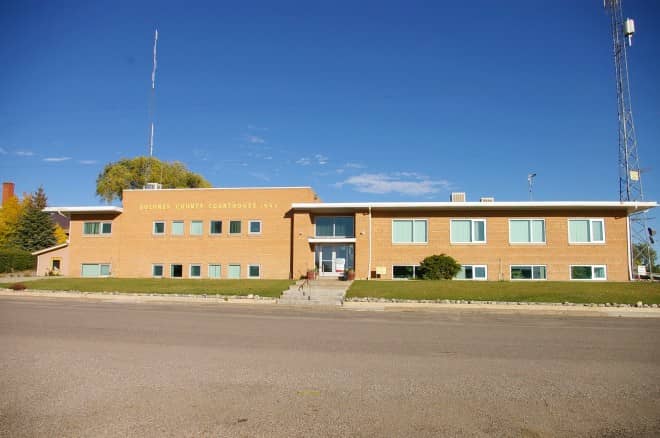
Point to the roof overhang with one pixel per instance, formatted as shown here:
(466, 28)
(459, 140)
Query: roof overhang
(107, 209)
(52, 248)
(331, 240)
(345, 207)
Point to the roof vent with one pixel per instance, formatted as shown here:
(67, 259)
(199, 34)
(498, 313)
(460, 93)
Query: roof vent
(153, 186)
(487, 199)
(457, 197)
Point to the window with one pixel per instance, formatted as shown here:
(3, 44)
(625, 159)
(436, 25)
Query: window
(254, 227)
(409, 231)
(196, 228)
(176, 270)
(97, 228)
(588, 272)
(527, 230)
(95, 270)
(234, 227)
(56, 264)
(468, 231)
(586, 231)
(254, 271)
(157, 271)
(234, 271)
(159, 227)
(334, 226)
(472, 272)
(216, 227)
(528, 272)
(195, 271)
(177, 228)
(214, 271)
(408, 272)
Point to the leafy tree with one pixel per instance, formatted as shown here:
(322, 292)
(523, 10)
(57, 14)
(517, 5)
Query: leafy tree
(134, 173)
(641, 255)
(439, 267)
(60, 235)
(10, 214)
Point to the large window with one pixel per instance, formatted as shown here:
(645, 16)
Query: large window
(409, 231)
(214, 271)
(588, 272)
(234, 227)
(586, 231)
(468, 231)
(405, 272)
(472, 272)
(254, 271)
(177, 228)
(527, 230)
(95, 270)
(254, 227)
(97, 228)
(216, 227)
(196, 228)
(334, 226)
(528, 272)
(234, 271)
(159, 228)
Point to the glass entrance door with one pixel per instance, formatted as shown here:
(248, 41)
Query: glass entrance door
(334, 260)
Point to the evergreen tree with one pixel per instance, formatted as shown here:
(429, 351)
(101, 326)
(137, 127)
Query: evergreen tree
(35, 230)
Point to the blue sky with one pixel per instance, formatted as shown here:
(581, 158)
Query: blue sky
(380, 101)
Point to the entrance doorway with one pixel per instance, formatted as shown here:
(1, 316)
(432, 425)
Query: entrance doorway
(334, 259)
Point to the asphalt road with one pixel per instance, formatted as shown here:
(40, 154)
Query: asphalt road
(75, 368)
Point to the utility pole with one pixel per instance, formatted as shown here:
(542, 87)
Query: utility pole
(630, 177)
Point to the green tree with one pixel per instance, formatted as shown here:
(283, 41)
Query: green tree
(35, 230)
(439, 267)
(135, 173)
(641, 253)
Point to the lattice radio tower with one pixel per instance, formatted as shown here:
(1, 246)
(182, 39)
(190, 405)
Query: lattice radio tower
(630, 176)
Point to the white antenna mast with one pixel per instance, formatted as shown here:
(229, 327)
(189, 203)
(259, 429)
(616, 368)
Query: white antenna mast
(153, 98)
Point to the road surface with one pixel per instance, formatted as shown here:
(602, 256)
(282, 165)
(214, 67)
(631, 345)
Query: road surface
(78, 368)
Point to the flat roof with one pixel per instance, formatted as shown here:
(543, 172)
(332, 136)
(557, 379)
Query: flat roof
(85, 209)
(629, 207)
(219, 188)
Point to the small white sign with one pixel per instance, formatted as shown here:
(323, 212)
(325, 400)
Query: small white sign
(339, 264)
(641, 269)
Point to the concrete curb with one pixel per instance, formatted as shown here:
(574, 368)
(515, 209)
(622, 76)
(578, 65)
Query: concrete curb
(140, 298)
(546, 309)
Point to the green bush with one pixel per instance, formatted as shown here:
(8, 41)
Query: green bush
(439, 267)
(16, 260)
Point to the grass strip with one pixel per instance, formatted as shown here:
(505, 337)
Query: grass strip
(264, 288)
(537, 291)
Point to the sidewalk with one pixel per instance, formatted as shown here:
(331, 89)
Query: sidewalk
(372, 306)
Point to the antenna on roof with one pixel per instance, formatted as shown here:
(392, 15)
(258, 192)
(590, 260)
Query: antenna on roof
(530, 183)
(152, 99)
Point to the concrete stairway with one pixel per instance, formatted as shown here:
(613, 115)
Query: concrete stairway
(329, 292)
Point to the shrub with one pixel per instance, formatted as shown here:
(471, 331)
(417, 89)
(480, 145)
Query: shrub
(18, 286)
(13, 259)
(439, 267)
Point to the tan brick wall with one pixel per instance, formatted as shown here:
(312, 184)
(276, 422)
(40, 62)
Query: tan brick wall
(132, 249)
(498, 254)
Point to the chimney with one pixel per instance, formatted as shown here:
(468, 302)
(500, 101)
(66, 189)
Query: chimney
(7, 191)
(457, 197)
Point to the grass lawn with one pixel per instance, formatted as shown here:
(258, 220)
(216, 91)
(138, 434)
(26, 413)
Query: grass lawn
(264, 288)
(537, 291)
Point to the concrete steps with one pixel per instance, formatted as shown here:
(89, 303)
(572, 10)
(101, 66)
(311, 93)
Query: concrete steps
(316, 292)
